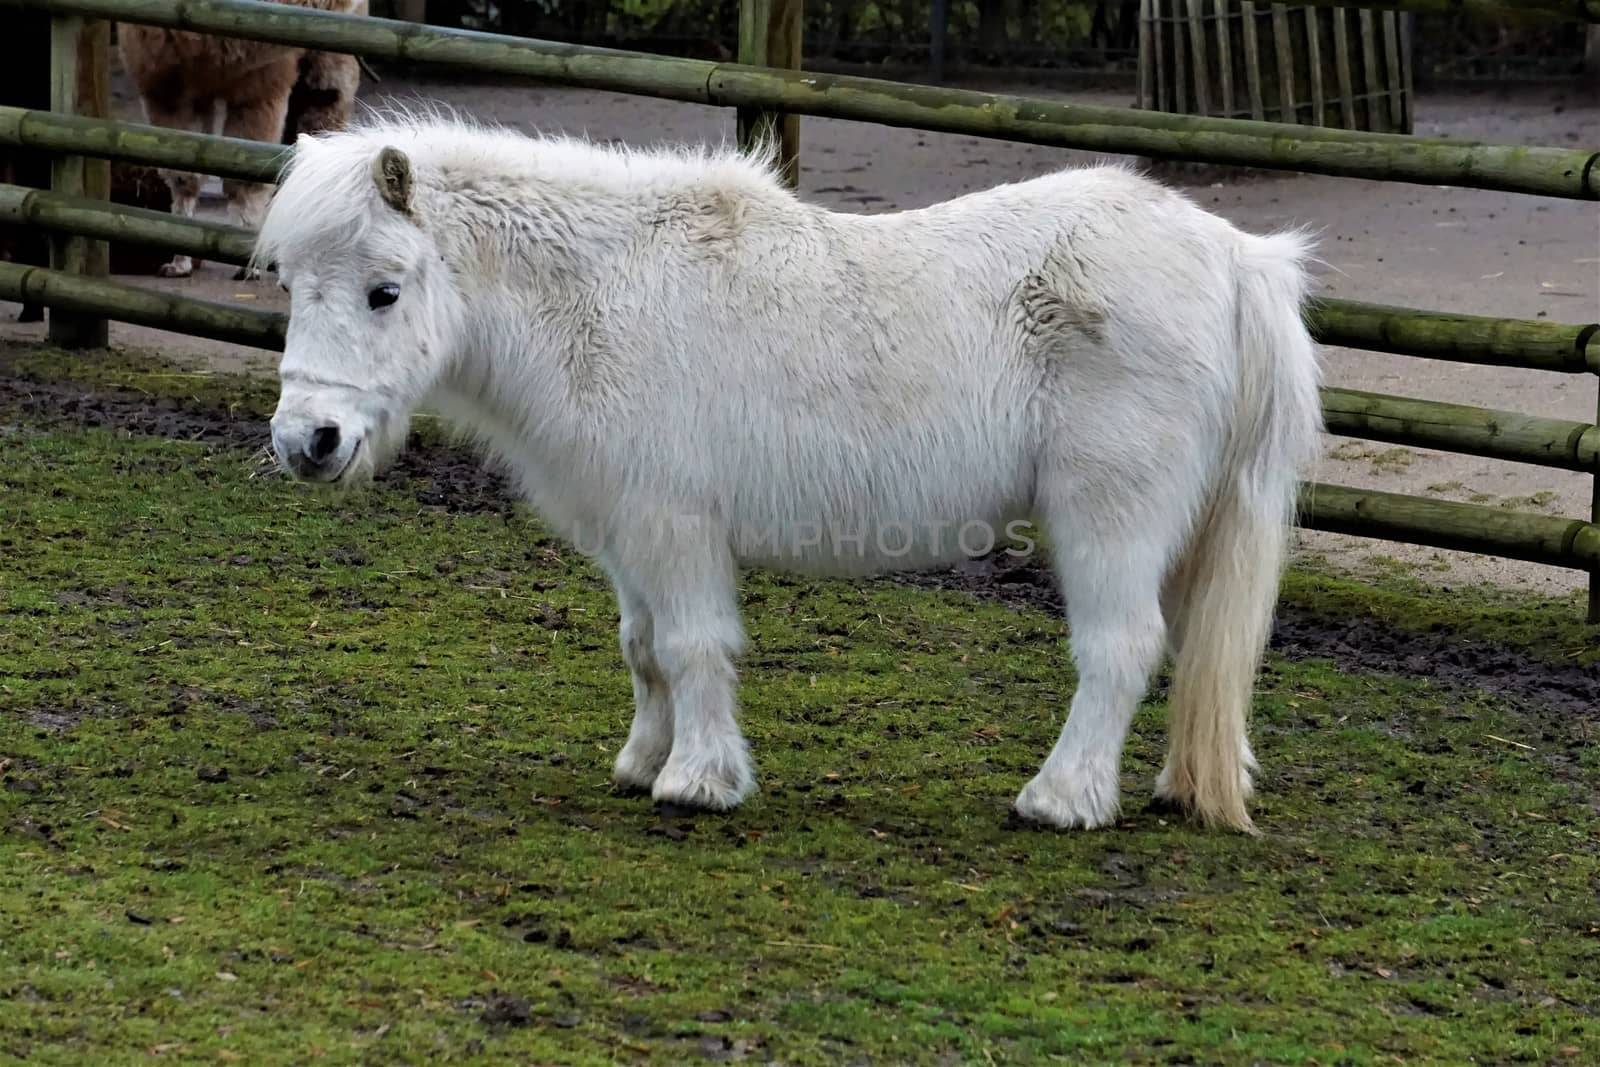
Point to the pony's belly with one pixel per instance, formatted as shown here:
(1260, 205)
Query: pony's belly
(898, 511)
(856, 545)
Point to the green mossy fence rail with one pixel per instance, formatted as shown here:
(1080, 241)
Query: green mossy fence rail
(1546, 171)
(142, 307)
(83, 217)
(1535, 344)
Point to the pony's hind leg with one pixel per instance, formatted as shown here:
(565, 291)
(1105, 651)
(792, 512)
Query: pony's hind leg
(650, 737)
(1175, 607)
(1111, 579)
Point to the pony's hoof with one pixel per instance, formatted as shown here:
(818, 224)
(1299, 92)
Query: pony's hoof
(31, 313)
(669, 810)
(1084, 802)
(1183, 802)
(245, 274)
(637, 768)
(1182, 799)
(178, 268)
(714, 781)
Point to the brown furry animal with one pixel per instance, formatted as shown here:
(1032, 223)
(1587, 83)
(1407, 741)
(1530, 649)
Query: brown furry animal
(137, 185)
(185, 78)
(324, 95)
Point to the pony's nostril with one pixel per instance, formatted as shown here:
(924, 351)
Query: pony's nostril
(323, 443)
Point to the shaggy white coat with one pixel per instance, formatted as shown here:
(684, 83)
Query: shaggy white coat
(688, 369)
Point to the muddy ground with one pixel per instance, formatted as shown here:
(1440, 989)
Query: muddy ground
(292, 781)
(1429, 247)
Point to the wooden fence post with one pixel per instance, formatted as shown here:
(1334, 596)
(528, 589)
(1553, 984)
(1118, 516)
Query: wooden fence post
(80, 84)
(769, 36)
(1593, 617)
(938, 36)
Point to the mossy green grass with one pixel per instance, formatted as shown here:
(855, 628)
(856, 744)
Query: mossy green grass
(290, 778)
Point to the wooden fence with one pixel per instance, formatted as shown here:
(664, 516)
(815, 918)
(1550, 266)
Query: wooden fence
(1323, 66)
(766, 97)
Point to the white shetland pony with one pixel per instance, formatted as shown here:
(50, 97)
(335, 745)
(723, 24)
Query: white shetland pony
(688, 369)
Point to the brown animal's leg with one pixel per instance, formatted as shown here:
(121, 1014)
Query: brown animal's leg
(136, 185)
(185, 197)
(179, 113)
(258, 117)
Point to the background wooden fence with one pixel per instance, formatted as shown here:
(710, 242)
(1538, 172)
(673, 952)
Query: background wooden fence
(1348, 67)
(767, 98)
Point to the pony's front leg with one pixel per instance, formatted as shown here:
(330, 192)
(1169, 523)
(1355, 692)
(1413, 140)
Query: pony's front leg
(692, 595)
(650, 738)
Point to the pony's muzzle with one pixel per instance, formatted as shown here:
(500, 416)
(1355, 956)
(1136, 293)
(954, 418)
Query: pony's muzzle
(311, 449)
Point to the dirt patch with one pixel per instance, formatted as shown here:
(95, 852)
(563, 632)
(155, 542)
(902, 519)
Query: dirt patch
(1355, 644)
(443, 478)
(52, 719)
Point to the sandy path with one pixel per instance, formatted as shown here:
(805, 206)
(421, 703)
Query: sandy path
(1448, 249)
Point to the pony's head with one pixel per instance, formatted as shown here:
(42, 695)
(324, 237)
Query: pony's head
(375, 312)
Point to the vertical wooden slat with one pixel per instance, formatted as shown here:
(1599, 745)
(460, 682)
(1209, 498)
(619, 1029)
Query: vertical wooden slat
(1594, 517)
(769, 36)
(1180, 64)
(1202, 67)
(1285, 50)
(1197, 38)
(1147, 58)
(1405, 58)
(1369, 70)
(1391, 47)
(1319, 115)
(1252, 61)
(80, 84)
(1164, 93)
(784, 47)
(1591, 56)
(1341, 60)
(754, 16)
(1225, 57)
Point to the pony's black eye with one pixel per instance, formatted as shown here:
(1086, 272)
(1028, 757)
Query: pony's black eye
(383, 296)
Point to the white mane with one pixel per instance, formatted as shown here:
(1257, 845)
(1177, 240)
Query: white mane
(330, 172)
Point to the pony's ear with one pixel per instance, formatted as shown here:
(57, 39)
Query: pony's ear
(392, 171)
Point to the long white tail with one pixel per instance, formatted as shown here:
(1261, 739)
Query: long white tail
(1227, 587)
